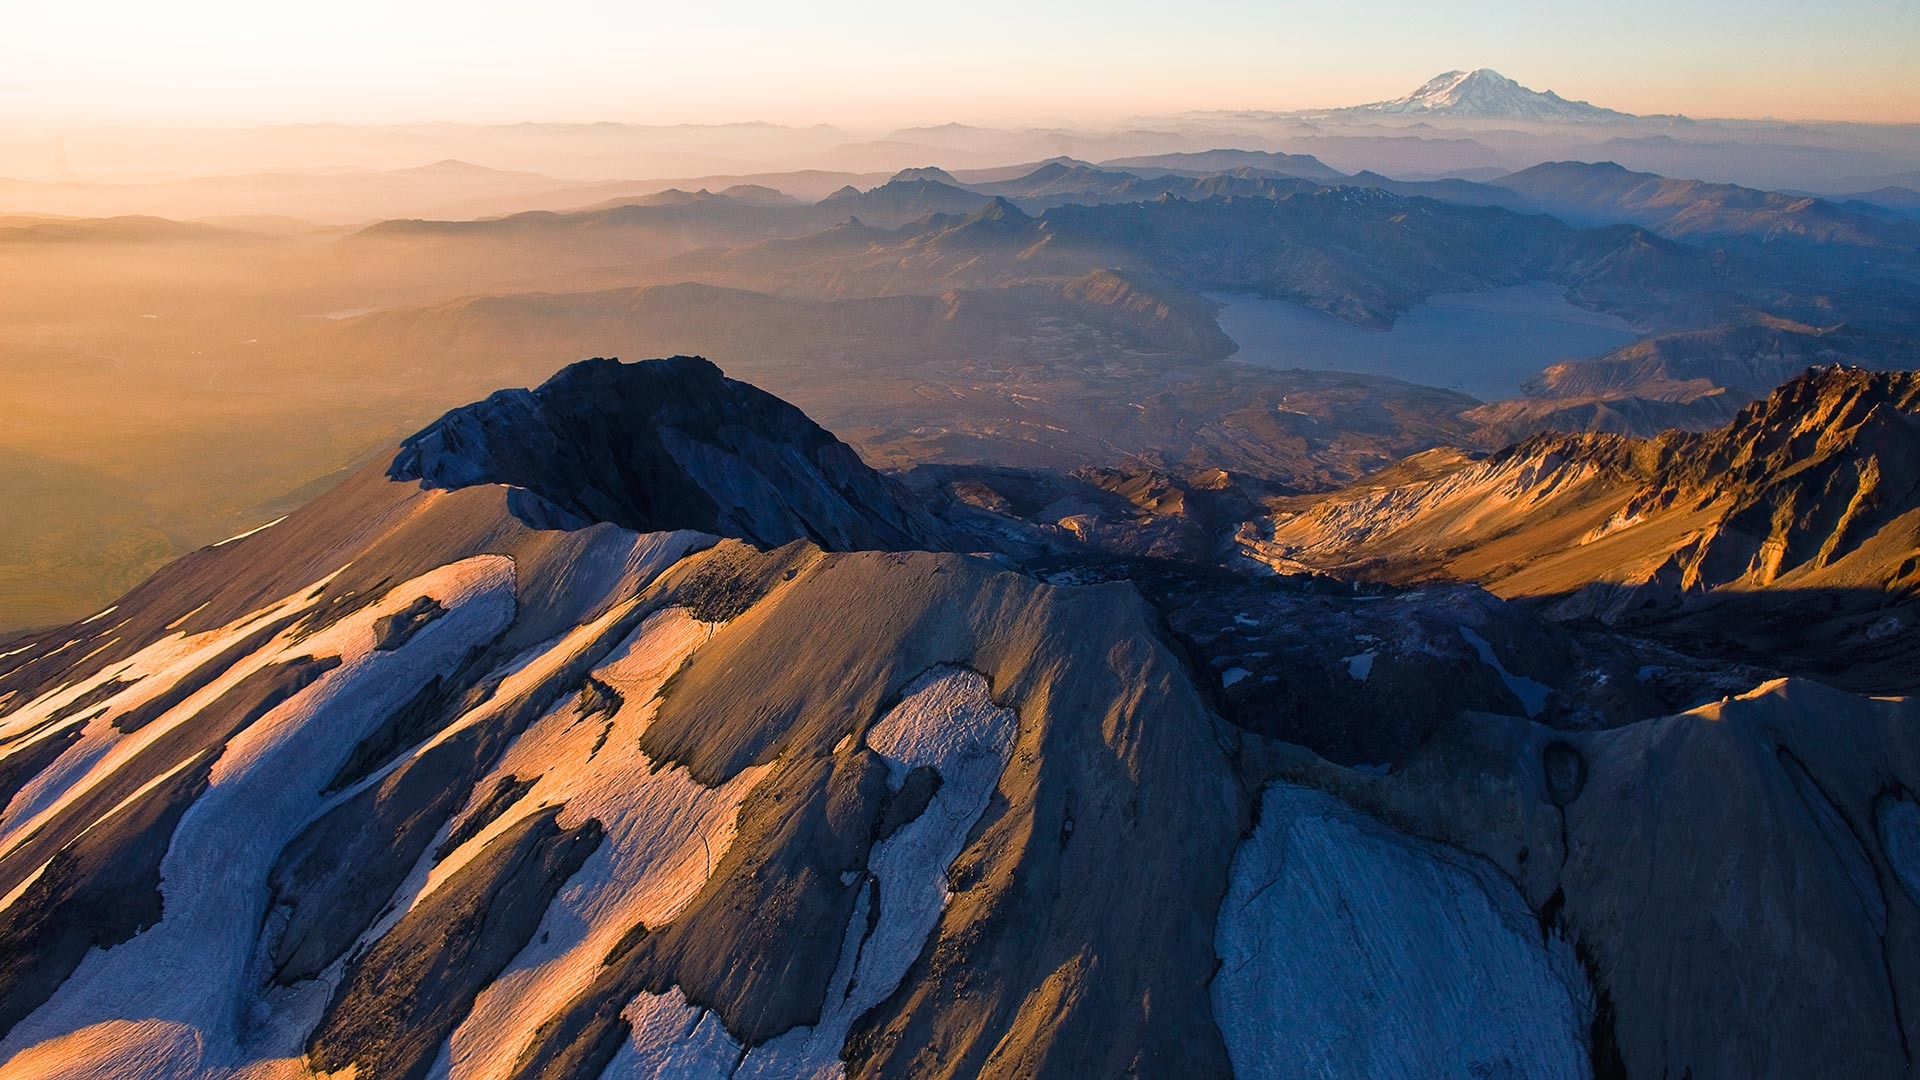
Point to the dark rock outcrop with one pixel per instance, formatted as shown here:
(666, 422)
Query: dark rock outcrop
(95, 893)
(663, 445)
(405, 995)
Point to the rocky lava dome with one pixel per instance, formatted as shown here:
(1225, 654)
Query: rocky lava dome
(664, 445)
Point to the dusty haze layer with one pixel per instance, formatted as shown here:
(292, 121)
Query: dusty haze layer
(204, 328)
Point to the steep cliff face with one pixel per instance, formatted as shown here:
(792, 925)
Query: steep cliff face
(1802, 479)
(413, 786)
(1815, 489)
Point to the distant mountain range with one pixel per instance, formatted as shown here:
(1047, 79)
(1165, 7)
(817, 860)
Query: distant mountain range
(1305, 166)
(1586, 193)
(1475, 124)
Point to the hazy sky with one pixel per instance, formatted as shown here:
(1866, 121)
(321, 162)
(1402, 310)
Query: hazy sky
(244, 61)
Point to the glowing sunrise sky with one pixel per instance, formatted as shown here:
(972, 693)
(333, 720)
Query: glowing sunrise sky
(232, 62)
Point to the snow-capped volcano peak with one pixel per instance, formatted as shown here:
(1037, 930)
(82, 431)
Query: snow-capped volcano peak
(1487, 94)
(1454, 87)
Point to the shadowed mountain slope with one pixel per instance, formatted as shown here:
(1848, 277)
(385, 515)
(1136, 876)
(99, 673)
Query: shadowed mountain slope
(1586, 193)
(1304, 166)
(1695, 379)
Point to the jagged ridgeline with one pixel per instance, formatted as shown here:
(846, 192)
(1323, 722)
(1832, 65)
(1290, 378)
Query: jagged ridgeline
(1792, 533)
(631, 726)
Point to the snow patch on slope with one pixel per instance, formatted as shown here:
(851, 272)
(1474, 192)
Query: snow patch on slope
(155, 666)
(1531, 692)
(665, 834)
(1899, 822)
(948, 721)
(250, 532)
(121, 1049)
(1360, 664)
(190, 968)
(102, 749)
(1350, 950)
(673, 1040)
